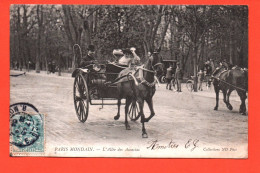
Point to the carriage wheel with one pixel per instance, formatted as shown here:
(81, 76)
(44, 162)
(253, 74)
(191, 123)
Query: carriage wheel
(162, 79)
(133, 111)
(81, 97)
(189, 85)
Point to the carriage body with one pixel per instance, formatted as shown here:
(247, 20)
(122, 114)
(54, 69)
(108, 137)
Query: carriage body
(97, 78)
(92, 85)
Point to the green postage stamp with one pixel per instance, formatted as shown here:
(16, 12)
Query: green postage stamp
(26, 130)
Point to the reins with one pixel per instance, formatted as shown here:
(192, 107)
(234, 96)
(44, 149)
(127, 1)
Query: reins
(236, 87)
(143, 81)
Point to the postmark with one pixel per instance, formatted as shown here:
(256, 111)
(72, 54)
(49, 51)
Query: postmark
(26, 130)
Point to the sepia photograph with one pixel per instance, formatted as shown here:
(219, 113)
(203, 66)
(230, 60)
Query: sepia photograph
(129, 81)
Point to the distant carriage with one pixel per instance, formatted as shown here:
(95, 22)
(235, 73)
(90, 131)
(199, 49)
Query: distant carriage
(165, 64)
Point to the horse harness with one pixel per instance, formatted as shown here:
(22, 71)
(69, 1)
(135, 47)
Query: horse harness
(228, 71)
(141, 75)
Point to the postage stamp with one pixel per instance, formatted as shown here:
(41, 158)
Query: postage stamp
(26, 130)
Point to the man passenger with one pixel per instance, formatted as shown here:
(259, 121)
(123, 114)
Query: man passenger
(89, 58)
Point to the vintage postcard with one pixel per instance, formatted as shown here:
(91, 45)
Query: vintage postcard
(139, 81)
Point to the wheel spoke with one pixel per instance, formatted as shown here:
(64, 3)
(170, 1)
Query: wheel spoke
(77, 98)
(83, 111)
(80, 111)
(131, 106)
(137, 109)
(133, 112)
(77, 106)
(77, 87)
(84, 107)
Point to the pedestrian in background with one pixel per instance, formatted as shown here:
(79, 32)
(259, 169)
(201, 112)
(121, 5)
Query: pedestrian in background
(169, 73)
(200, 79)
(208, 72)
(178, 77)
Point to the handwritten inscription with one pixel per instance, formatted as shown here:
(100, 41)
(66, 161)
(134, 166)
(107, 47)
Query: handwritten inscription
(156, 145)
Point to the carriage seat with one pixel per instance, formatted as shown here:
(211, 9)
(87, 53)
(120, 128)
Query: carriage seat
(112, 70)
(98, 82)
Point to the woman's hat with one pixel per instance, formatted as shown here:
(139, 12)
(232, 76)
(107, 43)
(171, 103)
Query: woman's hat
(118, 52)
(127, 51)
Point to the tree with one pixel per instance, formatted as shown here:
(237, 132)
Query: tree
(40, 31)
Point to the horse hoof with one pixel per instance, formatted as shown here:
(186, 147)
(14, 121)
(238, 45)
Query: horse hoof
(215, 108)
(243, 113)
(146, 120)
(127, 127)
(230, 107)
(116, 117)
(144, 135)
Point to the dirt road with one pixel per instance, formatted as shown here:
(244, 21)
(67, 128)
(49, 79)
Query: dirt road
(185, 124)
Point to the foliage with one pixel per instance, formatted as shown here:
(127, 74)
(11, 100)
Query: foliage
(190, 34)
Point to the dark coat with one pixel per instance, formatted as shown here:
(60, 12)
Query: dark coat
(169, 73)
(86, 60)
(208, 69)
(178, 73)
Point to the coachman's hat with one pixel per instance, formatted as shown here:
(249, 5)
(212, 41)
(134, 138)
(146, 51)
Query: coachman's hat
(91, 48)
(157, 50)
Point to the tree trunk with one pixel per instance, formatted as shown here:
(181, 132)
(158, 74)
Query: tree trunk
(195, 66)
(19, 39)
(40, 23)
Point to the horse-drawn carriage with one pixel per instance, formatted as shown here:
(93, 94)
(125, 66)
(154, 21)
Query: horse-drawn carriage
(92, 86)
(109, 81)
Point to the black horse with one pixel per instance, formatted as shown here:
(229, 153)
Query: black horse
(140, 88)
(228, 81)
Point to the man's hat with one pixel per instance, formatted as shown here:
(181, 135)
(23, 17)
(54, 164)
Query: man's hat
(157, 50)
(91, 48)
(178, 63)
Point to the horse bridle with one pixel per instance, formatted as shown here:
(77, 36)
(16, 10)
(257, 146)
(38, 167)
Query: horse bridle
(153, 67)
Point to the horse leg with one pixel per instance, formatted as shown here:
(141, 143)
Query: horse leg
(217, 97)
(127, 103)
(118, 106)
(228, 103)
(225, 97)
(141, 106)
(150, 104)
(243, 97)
